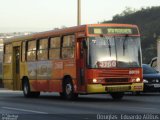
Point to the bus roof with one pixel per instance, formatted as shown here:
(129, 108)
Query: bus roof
(63, 31)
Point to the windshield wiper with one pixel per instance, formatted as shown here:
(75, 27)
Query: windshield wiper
(124, 47)
(109, 45)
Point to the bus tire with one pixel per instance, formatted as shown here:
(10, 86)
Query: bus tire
(68, 90)
(117, 95)
(27, 92)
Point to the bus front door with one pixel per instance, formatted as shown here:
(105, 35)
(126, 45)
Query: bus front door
(16, 68)
(81, 66)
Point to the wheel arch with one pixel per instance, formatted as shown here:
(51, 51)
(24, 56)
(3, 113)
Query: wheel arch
(65, 78)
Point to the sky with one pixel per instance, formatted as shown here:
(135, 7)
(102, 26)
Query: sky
(42, 15)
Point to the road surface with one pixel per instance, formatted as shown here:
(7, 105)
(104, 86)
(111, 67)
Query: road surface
(49, 106)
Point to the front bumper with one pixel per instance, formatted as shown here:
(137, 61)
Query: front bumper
(99, 88)
(151, 87)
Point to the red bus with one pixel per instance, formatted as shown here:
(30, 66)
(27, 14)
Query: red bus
(86, 59)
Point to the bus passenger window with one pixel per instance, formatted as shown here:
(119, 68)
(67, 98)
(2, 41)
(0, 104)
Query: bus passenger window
(8, 48)
(8, 53)
(31, 50)
(54, 52)
(68, 53)
(43, 49)
(23, 51)
(68, 46)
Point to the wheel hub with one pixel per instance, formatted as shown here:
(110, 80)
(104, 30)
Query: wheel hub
(25, 89)
(68, 89)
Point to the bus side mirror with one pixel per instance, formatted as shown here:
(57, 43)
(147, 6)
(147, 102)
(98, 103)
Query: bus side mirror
(84, 44)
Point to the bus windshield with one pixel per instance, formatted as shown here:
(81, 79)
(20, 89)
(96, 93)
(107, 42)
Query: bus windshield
(111, 52)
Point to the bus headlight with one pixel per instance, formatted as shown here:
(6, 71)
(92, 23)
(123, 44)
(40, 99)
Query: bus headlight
(138, 79)
(94, 80)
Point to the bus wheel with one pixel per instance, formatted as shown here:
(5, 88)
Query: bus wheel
(26, 90)
(68, 90)
(117, 95)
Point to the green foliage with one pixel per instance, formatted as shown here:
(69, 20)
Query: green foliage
(126, 12)
(148, 21)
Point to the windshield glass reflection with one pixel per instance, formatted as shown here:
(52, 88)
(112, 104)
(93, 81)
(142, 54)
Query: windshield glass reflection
(109, 52)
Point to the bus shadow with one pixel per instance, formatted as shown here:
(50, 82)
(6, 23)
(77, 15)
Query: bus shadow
(143, 94)
(85, 98)
(128, 98)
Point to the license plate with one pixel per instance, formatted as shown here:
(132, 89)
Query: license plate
(118, 89)
(156, 85)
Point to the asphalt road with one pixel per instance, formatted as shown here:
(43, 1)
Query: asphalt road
(49, 106)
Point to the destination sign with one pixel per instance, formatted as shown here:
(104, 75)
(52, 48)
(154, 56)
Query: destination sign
(112, 30)
(119, 31)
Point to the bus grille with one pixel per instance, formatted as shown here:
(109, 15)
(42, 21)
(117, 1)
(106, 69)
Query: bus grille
(118, 89)
(116, 80)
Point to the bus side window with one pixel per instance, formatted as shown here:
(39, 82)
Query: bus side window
(68, 47)
(54, 51)
(43, 49)
(23, 51)
(8, 53)
(31, 50)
